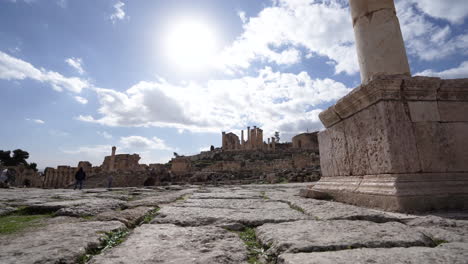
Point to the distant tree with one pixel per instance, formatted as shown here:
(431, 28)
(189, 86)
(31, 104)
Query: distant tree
(176, 155)
(212, 148)
(5, 157)
(277, 136)
(19, 157)
(33, 166)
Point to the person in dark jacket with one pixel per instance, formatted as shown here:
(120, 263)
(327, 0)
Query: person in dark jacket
(80, 176)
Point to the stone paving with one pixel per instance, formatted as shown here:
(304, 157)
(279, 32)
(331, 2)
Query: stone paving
(228, 224)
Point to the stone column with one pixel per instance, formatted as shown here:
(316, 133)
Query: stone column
(112, 159)
(248, 138)
(379, 41)
(242, 138)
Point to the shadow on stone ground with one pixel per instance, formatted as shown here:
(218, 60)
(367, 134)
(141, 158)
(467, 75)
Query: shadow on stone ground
(231, 224)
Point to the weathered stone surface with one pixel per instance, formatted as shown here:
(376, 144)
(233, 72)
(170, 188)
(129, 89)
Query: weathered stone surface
(130, 217)
(233, 204)
(82, 207)
(239, 194)
(159, 198)
(455, 253)
(195, 216)
(4, 210)
(421, 88)
(424, 111)
(329, 117)
(379, 41)
(174, 244)
(453, 111)
(441, 229)
(56, 243)
(313, 236)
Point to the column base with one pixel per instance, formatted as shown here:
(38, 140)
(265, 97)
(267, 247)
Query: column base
(396, 192)
(397, 143)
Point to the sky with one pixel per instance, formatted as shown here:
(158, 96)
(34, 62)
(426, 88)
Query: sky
(155, 77)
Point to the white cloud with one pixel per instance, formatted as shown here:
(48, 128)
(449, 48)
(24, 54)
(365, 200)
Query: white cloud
(16, 69)
(454, 11)
(76, 63)
(143, 143)
(104, 134)
(426, 40)
(277, 32)
(81, 100)
(37, 121)
(119, 13)
(270, 100)
(242, 16)
(459, 72)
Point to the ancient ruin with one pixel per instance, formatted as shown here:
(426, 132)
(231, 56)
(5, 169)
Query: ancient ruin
(396, 142)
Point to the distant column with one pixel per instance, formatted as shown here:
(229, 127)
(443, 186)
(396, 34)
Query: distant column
(112, 159)
(248, 137)
(242, 138)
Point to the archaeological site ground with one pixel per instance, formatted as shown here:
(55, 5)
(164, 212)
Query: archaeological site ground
(385, 181)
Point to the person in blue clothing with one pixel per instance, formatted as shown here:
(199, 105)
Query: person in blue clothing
(80, 176)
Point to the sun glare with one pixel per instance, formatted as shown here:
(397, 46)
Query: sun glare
(191, 45)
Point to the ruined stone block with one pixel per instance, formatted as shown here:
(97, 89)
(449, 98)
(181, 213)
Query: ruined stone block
(451, 111)
(423, 111)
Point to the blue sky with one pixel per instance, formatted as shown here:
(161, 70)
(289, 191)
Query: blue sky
(157, 77)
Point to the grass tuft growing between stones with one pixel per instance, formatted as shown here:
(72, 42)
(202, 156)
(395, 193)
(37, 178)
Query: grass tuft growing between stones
(297, 208)
(264, 196)
(110, 240)
(150, 216)
(254, 248)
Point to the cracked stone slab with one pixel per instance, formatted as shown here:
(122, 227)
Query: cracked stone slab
(130, 217)
(156, 199)
(454, 253)
(330, 210)
(174, 244)
(313, 236)
(232, 203)
(55, 243)
(81, 207)
(227, 195)
(441, 229)
(195, 216)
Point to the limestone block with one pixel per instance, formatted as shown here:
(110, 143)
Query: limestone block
(329, 117)
(453, 90)
(421, 88)
(365, 95)
(400, 192)
(379, 41)
(433, 146)
(357, 133)
(399, 154)
(451, 111)
(334, 143)
(457, 136)
(326, 158)
(423, 111)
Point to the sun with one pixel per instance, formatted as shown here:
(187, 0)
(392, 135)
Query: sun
(191, 45)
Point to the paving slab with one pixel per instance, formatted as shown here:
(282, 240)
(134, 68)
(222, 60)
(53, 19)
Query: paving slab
(174, 244)
(330, 210)
(54, 243)
(441, 229)
(196, 216)
(130, 217)
(158, 198)
(454, 253)
(232, 203)
(313, 236)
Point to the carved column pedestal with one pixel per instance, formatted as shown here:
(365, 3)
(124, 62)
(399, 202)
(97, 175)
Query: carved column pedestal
(397, 143)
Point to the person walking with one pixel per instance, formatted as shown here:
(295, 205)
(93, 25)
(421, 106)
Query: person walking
(80, 176)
